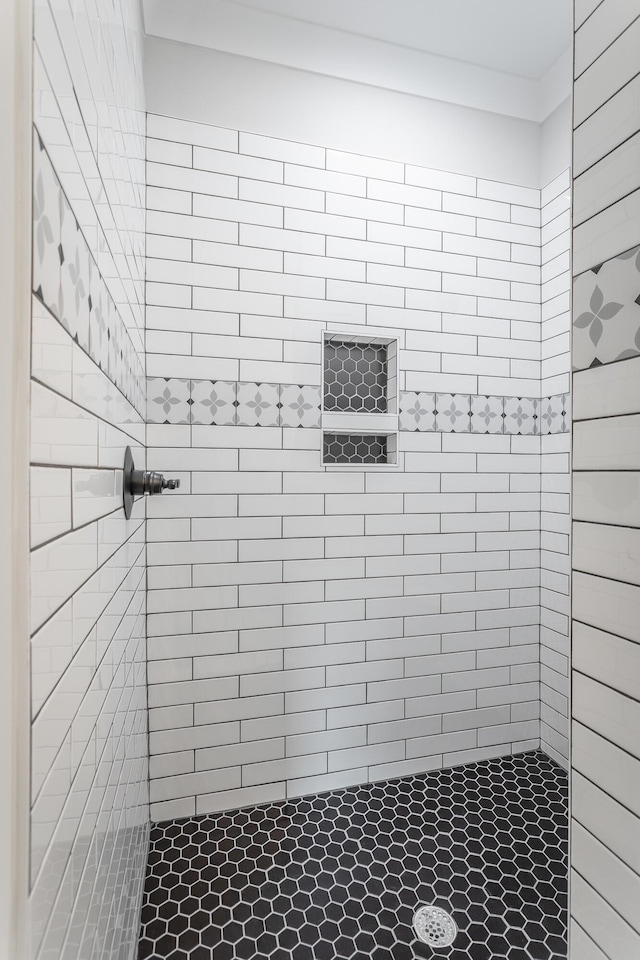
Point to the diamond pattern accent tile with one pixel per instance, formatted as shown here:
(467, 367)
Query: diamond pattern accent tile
(522, 416)
(213, 402)
(606, 307)
(74, 271)
(99, 319)
(47, 198)
(67, 280)
(258, 405)
(487, 414)
(300, 406)
(566, 413)
(225, 403)
(168, 400)
(552, 415)
(453, 413)
(417, 412)
(338, 876)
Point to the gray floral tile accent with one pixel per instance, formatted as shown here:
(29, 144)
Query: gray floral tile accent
(521, 416)
(74, 277)
(487, 414)
(98, 319)
(110, 342)
(80, 273)
(47, 197)
(453, 413)
(299, 406)
(126, 354)
(225, 403)
(606, 309)
(417, 411)
(113, 345)
(566, 413)
(68, 282)
(552, 415)
(214, 402)
(168, 400)
(258, 405)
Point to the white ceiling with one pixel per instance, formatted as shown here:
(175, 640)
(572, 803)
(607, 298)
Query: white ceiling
(521, 37)
(511, 57)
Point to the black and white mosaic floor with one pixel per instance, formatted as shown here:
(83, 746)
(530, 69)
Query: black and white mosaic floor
(340, 875)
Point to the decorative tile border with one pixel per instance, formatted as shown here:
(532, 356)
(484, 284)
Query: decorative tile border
(606, 308)
(68, 282)
(464, 413)
(488, 414)
(223, 403)
(299, 406)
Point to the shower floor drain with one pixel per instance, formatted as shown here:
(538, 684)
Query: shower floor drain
(434, 927)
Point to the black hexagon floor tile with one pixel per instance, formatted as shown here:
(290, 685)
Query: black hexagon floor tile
(339, 875)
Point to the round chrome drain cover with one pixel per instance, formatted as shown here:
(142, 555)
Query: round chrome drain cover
(434, 927)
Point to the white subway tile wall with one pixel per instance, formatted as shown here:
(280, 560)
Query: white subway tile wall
(89, 818)
(606, 605)
(314, 627)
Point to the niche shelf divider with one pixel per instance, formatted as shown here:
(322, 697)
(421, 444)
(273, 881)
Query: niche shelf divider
(359, 400)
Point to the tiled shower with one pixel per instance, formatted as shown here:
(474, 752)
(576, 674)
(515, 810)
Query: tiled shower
(328, 680)
(311, 627)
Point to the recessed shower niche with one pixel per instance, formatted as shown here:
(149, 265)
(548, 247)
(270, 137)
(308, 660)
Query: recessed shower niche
(359, 400)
